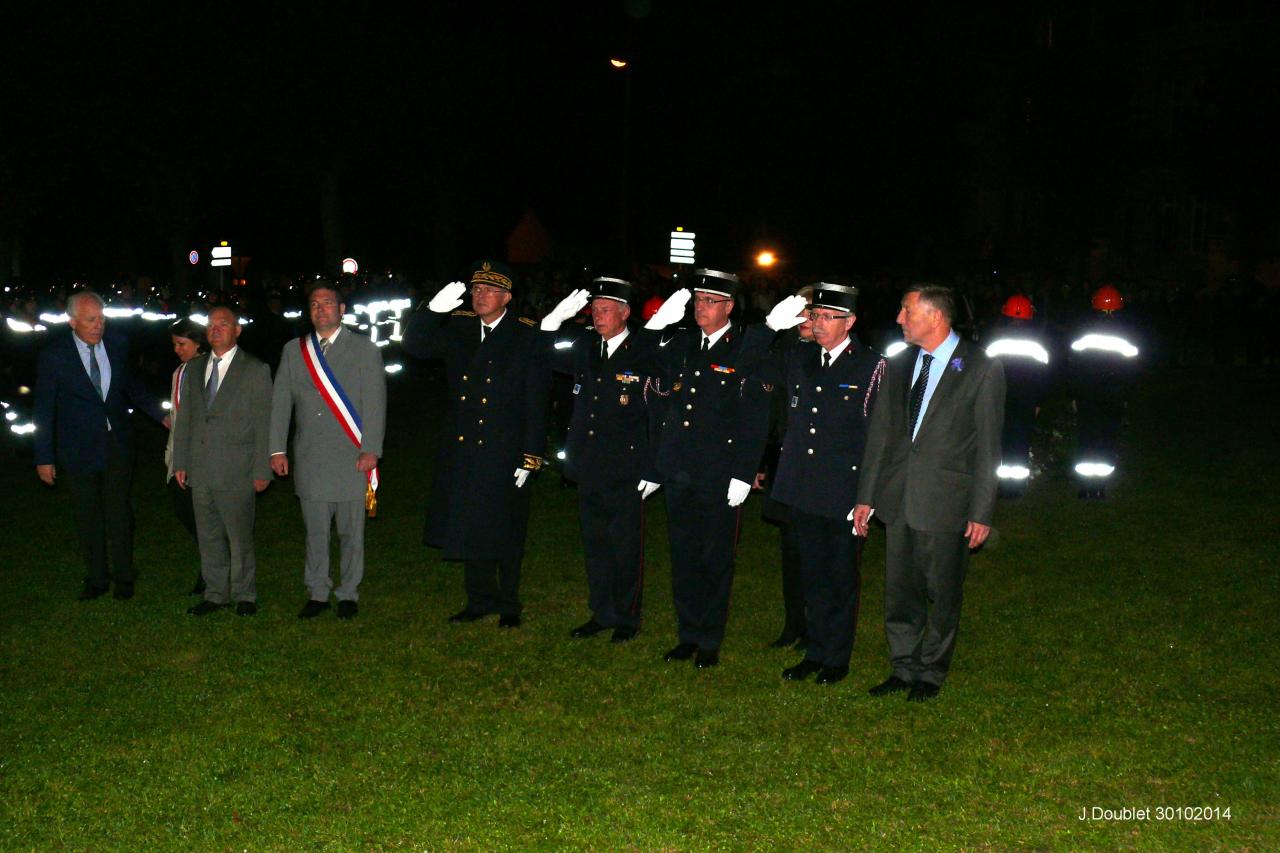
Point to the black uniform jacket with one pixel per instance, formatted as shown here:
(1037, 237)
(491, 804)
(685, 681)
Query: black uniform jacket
(828, 412)
(616, 407)
(495, 422)
(717, 417)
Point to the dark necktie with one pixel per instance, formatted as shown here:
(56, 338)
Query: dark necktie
(484, 332)
(826, 359)
(324, 346)
(604, 350)
(211, 387)
(917, 392)
(706, 343)
(95, 372)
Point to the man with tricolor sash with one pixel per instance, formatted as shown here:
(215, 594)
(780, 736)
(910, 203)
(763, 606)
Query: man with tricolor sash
(332, 387)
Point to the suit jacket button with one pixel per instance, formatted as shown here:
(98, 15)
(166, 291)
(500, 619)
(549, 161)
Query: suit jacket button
(688, 406)
(481, 441)
(462, 397)
(461, 438)
(464, 377)
(810, 451)
(686, 423)
(697, 373)
(818, 389)
(812, 430)
(814, 410)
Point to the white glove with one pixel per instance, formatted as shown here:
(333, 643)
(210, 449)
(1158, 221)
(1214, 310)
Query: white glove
(449, 297)
(738, 492)
(786, 313)
(671, 310)
(521, 477)
(646, 488)
(568, 306)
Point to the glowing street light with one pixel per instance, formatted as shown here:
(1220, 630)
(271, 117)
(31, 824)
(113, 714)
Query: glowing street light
(766, 259)
(618, 63)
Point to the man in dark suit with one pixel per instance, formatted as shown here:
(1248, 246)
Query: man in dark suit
(930, 471)
(831, 392)
(608, 450)
(84, 390)
(495, 430)
(220, 453)
(709, 451)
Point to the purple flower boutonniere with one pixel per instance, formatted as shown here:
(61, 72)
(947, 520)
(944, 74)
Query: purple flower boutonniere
(957, 364)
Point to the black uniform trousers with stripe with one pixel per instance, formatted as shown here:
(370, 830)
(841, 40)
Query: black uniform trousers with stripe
(612, 516)
(703, 530)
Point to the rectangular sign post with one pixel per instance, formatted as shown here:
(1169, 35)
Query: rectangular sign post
(682, 246)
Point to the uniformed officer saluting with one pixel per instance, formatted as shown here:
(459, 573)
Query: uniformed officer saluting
(608, 451)
(493, 436)
(831, 389)
(712, 438)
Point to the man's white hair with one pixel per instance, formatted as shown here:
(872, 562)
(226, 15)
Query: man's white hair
(73, 301)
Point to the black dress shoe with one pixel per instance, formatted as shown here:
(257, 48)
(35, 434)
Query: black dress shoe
(922, 691)
(347, 609)
(587, 629)
(892, 684)
(623, 634)
(684, 651)
(89, 593)
(509, 620)
(831, 674)
(707, 658)
(466, 616)
(802, 670)
(198, 589)
(204, 608)
(312, 609)
(246, 608)
(123, 590)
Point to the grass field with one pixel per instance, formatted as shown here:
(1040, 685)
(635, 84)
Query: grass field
(1116, 654)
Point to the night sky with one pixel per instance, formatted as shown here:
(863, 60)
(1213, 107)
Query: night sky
(850, 137)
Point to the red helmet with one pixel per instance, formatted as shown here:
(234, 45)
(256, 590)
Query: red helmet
(1107, 298)
(651, 307)
(1019, 307)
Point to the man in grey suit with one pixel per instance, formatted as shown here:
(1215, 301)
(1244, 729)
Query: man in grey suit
(930, 471)
(332, 367)
(220, 453)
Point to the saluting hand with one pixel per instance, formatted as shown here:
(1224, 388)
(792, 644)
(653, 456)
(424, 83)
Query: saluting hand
(787, 313)
(671, 311)
(448, 298)
(567, 308)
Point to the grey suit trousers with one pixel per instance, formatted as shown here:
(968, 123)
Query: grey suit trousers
(348, 517)
(924, 581)
(224, 528)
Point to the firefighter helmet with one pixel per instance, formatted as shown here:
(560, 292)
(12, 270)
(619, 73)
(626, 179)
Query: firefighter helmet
(1107, 298)
(1018, 307)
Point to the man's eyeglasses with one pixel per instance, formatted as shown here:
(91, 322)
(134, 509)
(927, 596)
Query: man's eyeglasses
(480, 290)
(827, 318)
(708, 300)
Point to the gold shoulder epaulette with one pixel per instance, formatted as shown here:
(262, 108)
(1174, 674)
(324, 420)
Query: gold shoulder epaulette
(463, 312)
(527, 321)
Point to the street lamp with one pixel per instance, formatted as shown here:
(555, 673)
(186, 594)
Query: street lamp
(766, 259)
(623, 67)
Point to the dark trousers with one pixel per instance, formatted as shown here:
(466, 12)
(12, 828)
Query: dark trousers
(830, 557)
(793, 599)
(612, 519)
(1098, 429)
(924, 579)
(183, 509)
(493, 586)
(100, 504)
(703, 530)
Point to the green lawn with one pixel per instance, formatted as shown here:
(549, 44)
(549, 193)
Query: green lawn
(1112, 654)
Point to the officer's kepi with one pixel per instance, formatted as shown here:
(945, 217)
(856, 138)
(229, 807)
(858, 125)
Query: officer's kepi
(715, 281)
(837, 297)
(618, 289)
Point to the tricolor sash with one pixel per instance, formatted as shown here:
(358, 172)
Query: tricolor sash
(336, 399)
